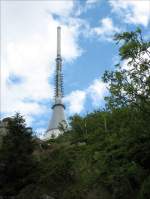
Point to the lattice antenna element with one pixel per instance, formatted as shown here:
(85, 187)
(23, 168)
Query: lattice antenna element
(58, 77)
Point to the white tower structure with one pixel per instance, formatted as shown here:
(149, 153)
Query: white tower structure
(58, 116)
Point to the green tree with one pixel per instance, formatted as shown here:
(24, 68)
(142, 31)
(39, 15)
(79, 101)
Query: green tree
(129, 84)
(129, 103)
(16, 160)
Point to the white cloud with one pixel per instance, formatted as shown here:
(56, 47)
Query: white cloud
(28, 51)
(28, 43)
(40, 132)
(92, 1)
(132, 11)
(84, 6)
(75, 101)
(59, 7)
(106, 30)
(97, 90)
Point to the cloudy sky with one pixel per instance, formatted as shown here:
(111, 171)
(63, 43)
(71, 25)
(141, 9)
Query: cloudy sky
(28, 51)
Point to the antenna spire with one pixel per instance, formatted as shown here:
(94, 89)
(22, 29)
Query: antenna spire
(58, 41)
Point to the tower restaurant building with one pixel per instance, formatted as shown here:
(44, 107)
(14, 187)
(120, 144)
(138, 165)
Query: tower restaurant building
(58, 121)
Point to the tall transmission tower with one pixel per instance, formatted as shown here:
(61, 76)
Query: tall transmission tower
(58, 121)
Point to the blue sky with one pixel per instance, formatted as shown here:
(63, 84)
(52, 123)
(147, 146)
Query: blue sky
(28, 52)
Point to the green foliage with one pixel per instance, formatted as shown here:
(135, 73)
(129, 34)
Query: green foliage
(145, 190)
(16, 161)
(129, 84)
(95, 163)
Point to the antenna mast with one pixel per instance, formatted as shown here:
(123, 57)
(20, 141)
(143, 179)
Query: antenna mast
(59, 76)
(58, 114)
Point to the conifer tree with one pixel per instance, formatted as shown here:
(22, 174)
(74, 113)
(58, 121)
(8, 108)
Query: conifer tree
(16, 160)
